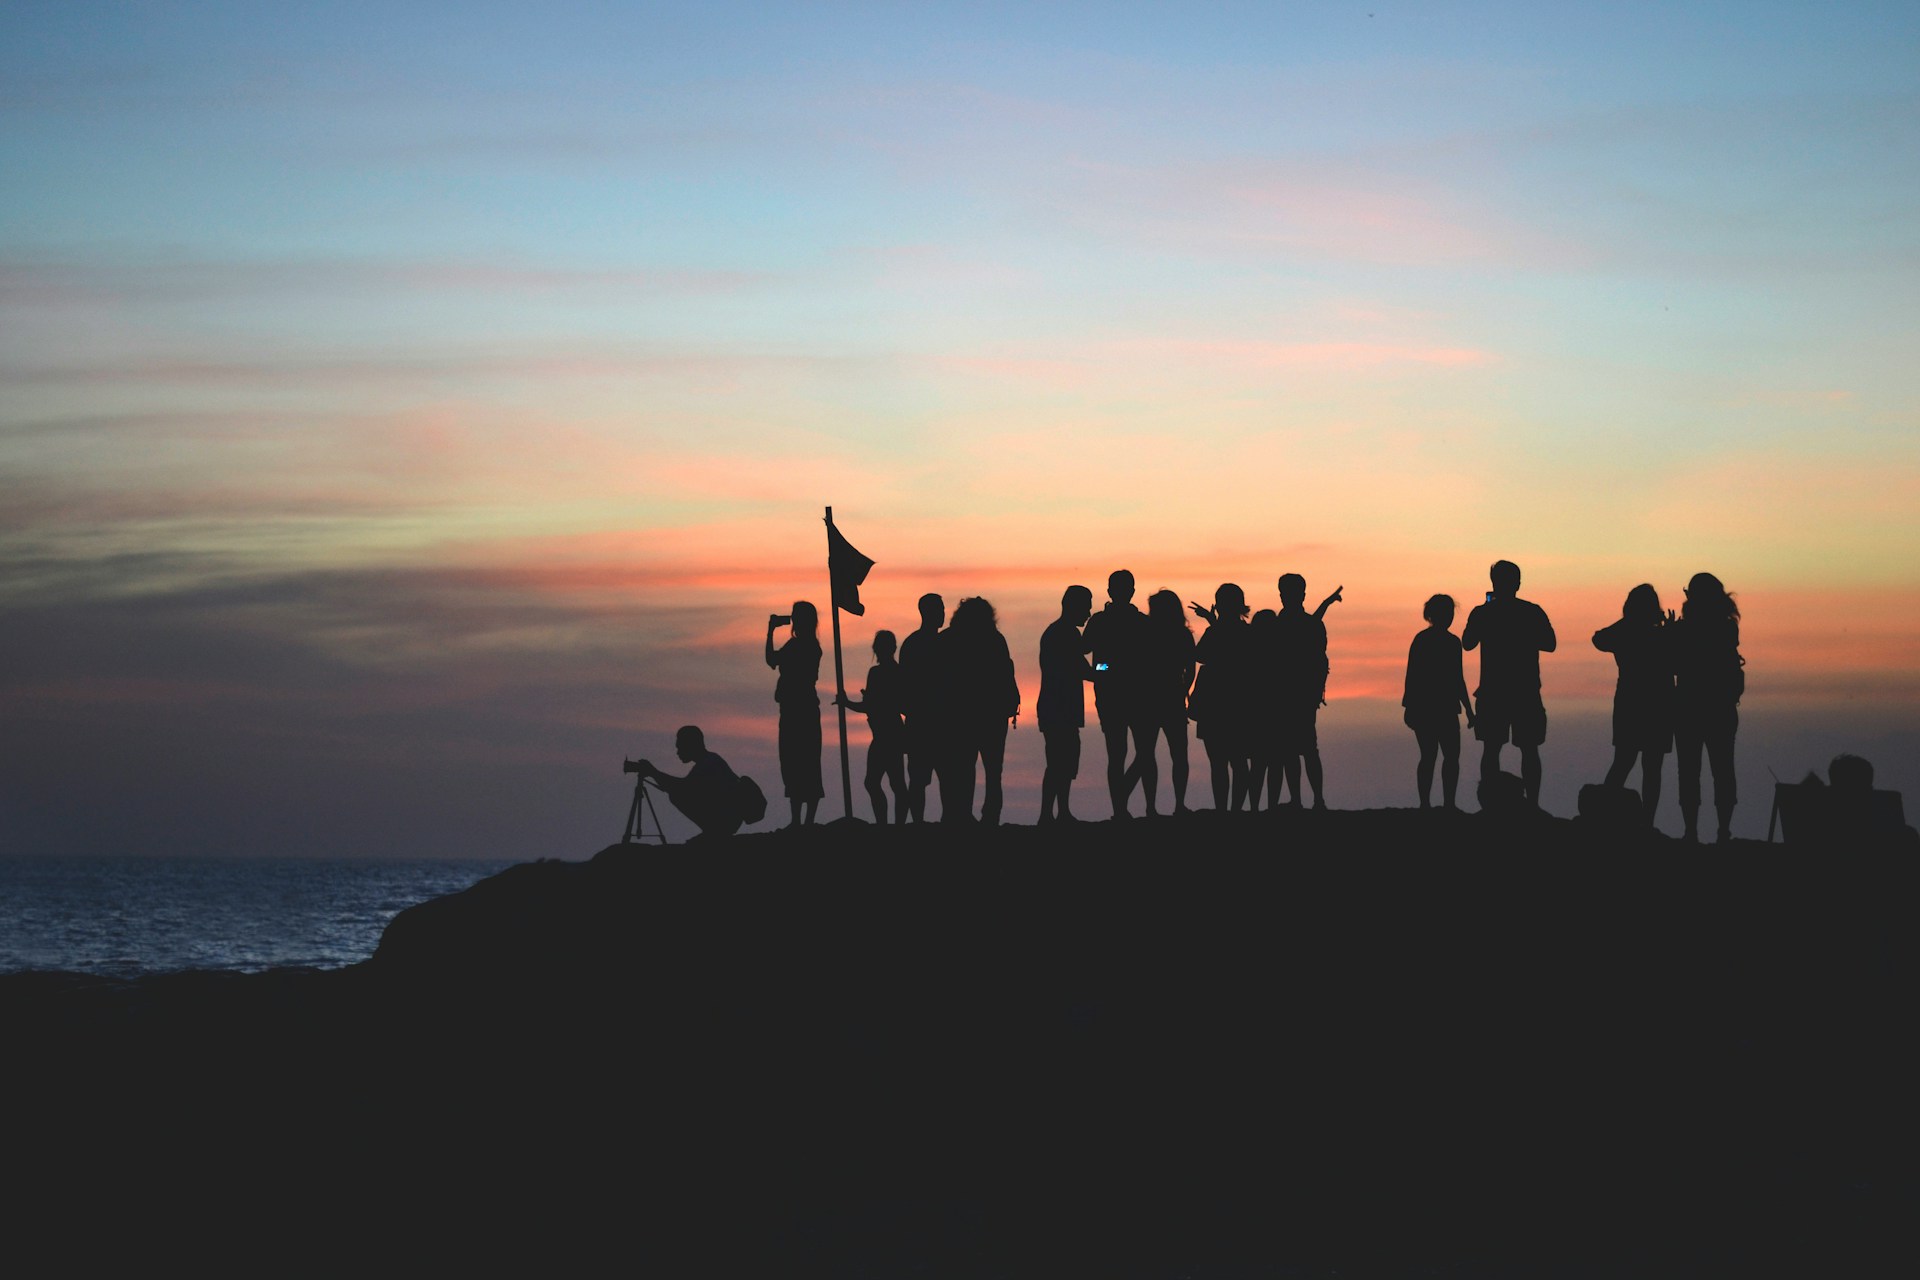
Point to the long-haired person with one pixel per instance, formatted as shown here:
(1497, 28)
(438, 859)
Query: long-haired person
(1642, 695)
(798, 662)
(1220, 703)
(1710, 677)
(1168, 654)
(986, 698)
(1436, 692)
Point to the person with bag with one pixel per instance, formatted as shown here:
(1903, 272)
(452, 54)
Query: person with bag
(710, 795)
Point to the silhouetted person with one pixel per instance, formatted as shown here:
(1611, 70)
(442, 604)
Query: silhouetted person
(924, 688)
(708, 795)
(1264, 760)
(1642, 694)
(1220, 703)
(880, 701)
(798, 662)
(1436, 693)
(1709, 680)
(1511, 634)
(1116, 637)
(1062, 707)
(986, 697)
(1300, 663)
(1168, 675)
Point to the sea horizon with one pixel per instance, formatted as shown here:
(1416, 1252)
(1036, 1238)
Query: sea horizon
(132, 915)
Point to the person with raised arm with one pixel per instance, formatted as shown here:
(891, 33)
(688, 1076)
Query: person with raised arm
(1511, 634)
(1642, 650)
(1436, 692)
(1219, 703)
(1299, 658)
(798, 662)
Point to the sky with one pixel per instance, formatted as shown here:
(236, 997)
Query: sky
(410, 411)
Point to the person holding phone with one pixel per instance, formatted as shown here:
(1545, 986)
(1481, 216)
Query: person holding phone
(1063, 701)
(1116, 637)
(798, 662)
(1511, 634)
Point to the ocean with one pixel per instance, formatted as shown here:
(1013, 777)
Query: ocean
(134, 916)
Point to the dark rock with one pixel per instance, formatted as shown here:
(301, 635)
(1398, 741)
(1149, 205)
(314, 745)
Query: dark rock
(1389, 1042)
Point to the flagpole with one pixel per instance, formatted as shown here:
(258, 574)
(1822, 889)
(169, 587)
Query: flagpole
(839, 678)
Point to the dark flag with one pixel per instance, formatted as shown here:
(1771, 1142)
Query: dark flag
(848, 569)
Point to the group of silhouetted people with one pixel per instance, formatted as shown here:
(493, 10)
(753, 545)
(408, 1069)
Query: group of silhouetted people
(939, 703)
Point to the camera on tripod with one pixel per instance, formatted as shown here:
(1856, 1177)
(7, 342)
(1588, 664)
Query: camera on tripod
(642, 807)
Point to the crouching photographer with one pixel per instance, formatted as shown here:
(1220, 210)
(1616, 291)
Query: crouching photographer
(711, 795)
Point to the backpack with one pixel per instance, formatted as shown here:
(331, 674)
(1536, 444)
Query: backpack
(752, 801)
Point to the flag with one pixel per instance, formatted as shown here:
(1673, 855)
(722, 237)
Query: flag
(848, 569)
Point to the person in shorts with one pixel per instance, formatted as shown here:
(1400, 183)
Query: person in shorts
(1510, 634)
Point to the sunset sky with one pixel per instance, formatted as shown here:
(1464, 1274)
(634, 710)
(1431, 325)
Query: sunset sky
(407, 411)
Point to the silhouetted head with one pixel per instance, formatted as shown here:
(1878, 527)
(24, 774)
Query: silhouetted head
(1262, 615)
(1076, 604)
(1851, 774)
(1643, 605)
(1164, 606)
(1293, 590)
(1229, 601)
(884, 644)
(806, 618)
(1439, 611)
(974, 615)
(1120, 586)
(1505, 577)
(689, 744)
(933, 611)
(1707, 598)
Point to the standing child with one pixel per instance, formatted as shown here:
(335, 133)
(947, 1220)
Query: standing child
(887, 748)
(1435, 695)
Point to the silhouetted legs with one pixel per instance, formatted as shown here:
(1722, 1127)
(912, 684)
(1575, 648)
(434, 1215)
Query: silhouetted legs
(1146, 766)
(803, 811)
(1116, 732)
(955, 771)
(885, 762)
(1719, 751)
(1229, 774)
(1177, 760)
(1529, 769)
(1442, 739)
(920, 751)
(992, 750)
(1651, 762)
(1063, 765)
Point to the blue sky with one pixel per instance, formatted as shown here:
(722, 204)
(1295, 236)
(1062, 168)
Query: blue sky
(465, 345)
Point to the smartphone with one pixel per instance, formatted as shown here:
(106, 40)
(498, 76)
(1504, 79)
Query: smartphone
(1099, 666)
(786, 619)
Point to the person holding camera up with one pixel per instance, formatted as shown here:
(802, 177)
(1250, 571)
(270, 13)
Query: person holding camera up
(1511, 634)
(709, 795)
(798, 662)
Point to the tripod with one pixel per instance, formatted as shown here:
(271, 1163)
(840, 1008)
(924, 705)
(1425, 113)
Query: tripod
(638, 813)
